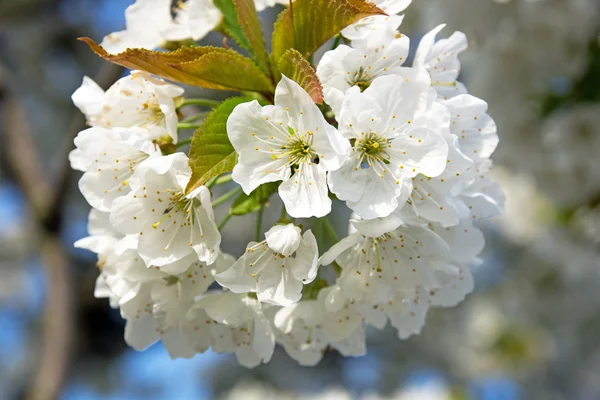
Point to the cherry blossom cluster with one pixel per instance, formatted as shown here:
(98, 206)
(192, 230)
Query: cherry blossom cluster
(406, 148)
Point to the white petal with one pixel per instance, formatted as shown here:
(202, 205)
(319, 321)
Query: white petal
(88, 97)
(337, 249)
(305, 264)
(378, 226)
(284, 239)
(176, 344)
(305, 194)
(276, 285)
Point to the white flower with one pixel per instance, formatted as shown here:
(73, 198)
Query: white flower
(238, 324)
(396, 136)
(103, 236)
(155, 303)
(300, 329)
(435, 199)
(406, 310)
(275, 268)
(149, 24)
(441, 61)
(343, 323)
(483, 197)
(475, 129)
(138, 100)
(102, 241)
(194, 19)
(454, 279)
(289, 141)
(409, 317)
(360, 29)
(381, 52)
(373, 268)
(108, 157)
(172, 226)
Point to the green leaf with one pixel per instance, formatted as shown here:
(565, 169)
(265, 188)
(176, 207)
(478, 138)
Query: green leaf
(248, 203)
(308, 24)
(298, 69)
(231, 25)
(250, 22)
(242, 23)
(211, 152)
(205, 66)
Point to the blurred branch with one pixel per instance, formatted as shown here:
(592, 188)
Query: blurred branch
(46, 202)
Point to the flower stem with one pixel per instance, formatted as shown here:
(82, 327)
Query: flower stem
(218, 180)
(195, 117)
(226, 196)
(330, 231)
(224, 221)
(318, 232)
(336, 41)
(200, 102)
(183, 142)
(259, 220)
(185, 125)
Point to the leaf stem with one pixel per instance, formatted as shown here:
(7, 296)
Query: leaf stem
(183, 142)
(218, 180)
(200, 102)
(284, 214)
(185, 125)
(336, 41)
(222, 223)
(330, 231)
(259, 220)
(226, 196)
(195, 117)
(318, 232)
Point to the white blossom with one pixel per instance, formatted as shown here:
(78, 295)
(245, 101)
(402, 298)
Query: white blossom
(102, 241)
(360, 29)
(483, 197)
(155, 303)
(406, 310)
(150, 24)
(172, 226)
(373, 268)
(381, 52)
(289, 141)
(441, 61)
(453, 277)
(238, 324)
(396, 136)
(108, 158)
(305, 330)
(138, 100)
(275, 268)
(475, 129)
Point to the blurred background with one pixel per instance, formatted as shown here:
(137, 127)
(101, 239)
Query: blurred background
(531, 330)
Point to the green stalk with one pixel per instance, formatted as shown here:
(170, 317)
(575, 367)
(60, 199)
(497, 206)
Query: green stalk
(185, 125)
(259, 220)
(224, 221)
(318, 232)
(330, 231)
(183, 142)
(336, 41)
(200, 102)
(196, 117)
(218, 180)
(226, 196)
